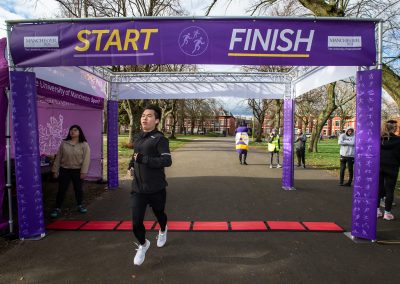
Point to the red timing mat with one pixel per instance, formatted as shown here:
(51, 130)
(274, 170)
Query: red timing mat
(248, 226)
(198, 226)
(286, 225)
(210, 226)
(323, 226)
(176, 226)
(127, 225)
(100, 226)
(65, 225)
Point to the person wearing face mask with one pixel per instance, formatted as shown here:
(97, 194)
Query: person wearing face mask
(346, 142)
(151, 156)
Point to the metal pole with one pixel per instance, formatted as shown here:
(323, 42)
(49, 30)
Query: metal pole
(8, 157)
(379, 63)
(8, 137)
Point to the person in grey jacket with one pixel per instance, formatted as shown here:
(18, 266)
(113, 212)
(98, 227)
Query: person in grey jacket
(346, 142)
(300, 146)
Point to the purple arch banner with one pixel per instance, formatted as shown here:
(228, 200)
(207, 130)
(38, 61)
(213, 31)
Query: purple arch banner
(306, 42)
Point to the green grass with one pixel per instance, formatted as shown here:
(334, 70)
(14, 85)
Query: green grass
(125, 153)
(327, 158)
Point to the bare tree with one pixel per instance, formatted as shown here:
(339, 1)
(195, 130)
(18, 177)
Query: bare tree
(308, 107)
(387, 10)
(345, 101)
(259, 108)
(390, 110)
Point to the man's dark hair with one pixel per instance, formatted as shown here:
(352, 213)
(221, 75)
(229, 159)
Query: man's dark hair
(391, 121)
(157, 110)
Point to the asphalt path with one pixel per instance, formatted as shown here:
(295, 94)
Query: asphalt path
(207, 183)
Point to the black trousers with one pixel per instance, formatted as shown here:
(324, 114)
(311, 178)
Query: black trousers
(350, 164)
(387, 184)
(301, 156)
(272, 157)
(139, 203)
(244, 155)
(64, 179)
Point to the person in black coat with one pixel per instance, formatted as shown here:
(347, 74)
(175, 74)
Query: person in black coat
(389, 167)
(151, 156)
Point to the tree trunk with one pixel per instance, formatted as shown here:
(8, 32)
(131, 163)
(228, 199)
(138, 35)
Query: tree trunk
(192, 123)
(278, 108)
(134, 111)
(259, 132)
(323, 117)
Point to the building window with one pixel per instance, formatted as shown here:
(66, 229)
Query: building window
(337, 123)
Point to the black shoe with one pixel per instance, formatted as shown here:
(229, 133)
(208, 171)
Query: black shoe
(347, 184)
(244, 163)
(241, 162)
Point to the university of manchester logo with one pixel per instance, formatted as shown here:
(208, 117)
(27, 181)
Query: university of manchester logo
(193, 41)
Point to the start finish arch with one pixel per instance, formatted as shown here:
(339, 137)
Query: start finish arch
(305, 42)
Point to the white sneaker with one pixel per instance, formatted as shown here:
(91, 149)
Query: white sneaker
(162, 237)
(388, 216)
(271, 166)
(278, 166)
(141, 253)
(379, 213)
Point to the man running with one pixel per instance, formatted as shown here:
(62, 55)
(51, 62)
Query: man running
(151, 156)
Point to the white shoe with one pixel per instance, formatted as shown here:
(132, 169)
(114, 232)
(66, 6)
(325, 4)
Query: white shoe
(141, 253)
(388, 216)
(278, 166)
(162, 237)
(271, 166)
(379, 213)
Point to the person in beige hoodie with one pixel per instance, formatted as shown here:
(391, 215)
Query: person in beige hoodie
(71, 164)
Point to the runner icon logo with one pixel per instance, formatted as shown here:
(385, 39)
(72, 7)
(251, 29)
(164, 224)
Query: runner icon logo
(193, 41)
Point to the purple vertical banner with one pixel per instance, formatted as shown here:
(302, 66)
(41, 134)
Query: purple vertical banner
(4, 82)
(27, 162)
(288, 166)
(367, 154)
(112, 144)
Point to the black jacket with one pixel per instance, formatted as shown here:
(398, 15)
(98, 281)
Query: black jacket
(153, 155)
(390, 152)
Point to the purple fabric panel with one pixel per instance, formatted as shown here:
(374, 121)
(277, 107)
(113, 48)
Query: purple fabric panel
(51, 90)
(112, 144)
(27, 162)
(242, 129)
(55, 118)
(310, 42)
(288, 166)
(4, 82)
(367, 154)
